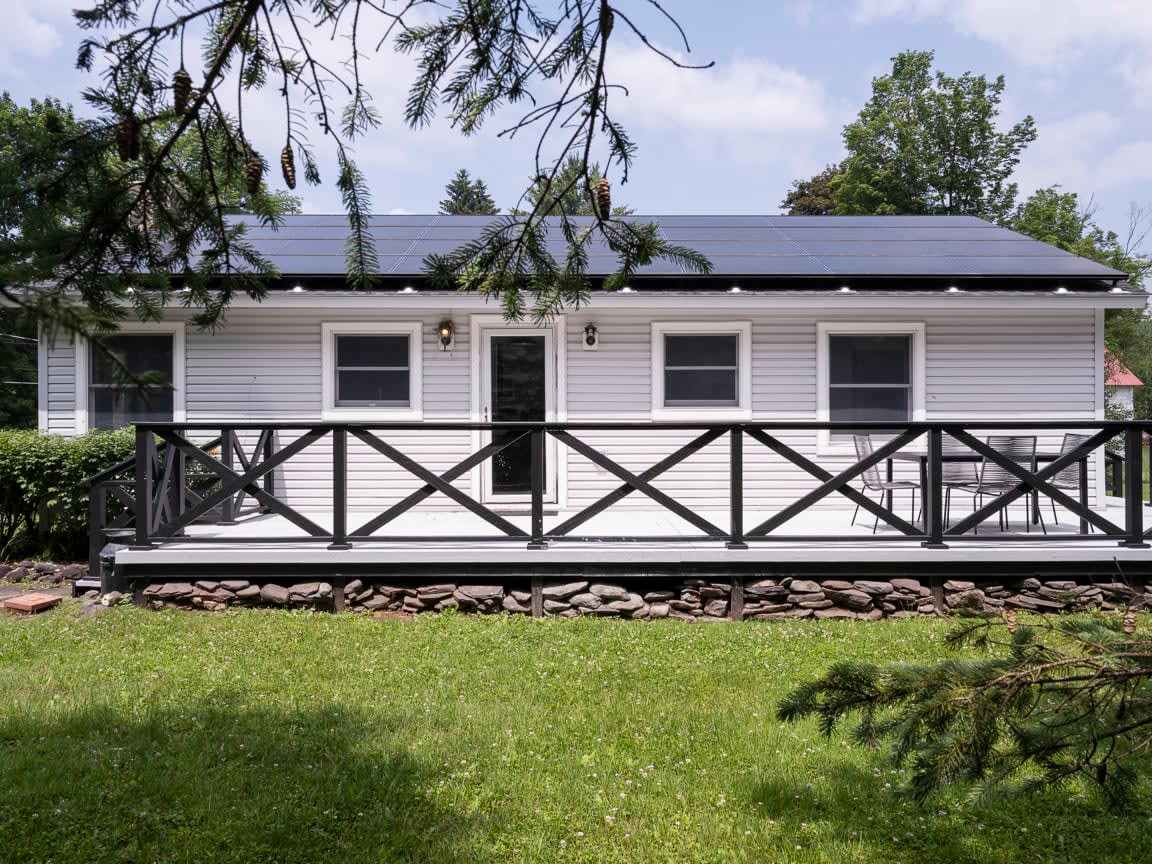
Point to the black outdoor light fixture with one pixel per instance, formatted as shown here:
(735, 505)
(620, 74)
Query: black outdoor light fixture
(591, 337)
(445, 329)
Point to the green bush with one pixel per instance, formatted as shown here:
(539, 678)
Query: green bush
(43, 496)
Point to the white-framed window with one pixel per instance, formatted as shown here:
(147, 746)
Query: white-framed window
(372, 370)
(139, 376)
(868, 371)
(701, 369)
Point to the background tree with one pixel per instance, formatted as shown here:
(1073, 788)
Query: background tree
(464, 196)
(926, 143)
(1043, 705)
(566, 195)
(815, 196)
(1054, 216)
(145, 178)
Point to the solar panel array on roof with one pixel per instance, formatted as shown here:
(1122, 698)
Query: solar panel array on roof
(752, 246)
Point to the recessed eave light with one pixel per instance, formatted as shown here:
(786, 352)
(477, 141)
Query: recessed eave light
(1061, 289)
(627, 289)
(845, 289)
(1117, 289)
(298, 289)
(953, 289)
(407, 289)
(735, 289)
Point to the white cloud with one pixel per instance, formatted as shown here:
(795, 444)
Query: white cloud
(1044, 33)
(747, 94)
(34, 29)
(1086, 153)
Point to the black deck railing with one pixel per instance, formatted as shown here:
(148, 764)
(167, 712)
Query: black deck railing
(174, 482)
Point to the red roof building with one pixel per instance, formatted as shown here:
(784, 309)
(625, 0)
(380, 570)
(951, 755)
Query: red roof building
(1119, 375)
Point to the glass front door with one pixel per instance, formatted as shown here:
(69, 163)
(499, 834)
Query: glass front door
(519, 383)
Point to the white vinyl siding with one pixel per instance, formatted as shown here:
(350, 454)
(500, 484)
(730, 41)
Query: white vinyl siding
(61, 391)
(265, 365)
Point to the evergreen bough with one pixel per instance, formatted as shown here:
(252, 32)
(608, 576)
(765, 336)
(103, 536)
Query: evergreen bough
(1042, 704)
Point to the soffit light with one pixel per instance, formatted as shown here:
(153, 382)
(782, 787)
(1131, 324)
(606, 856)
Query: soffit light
(1117, 289)
(298, 289)
(735, 289)
(627, 289)
(953, 289)
(845, 289)
(407, 289)
(1061, 289)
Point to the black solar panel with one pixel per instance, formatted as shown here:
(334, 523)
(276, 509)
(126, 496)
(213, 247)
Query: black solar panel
(753, 246)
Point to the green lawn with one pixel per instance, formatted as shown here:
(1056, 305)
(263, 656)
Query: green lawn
(272, 736)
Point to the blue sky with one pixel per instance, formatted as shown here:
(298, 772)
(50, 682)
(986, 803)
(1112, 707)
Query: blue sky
(788, 75)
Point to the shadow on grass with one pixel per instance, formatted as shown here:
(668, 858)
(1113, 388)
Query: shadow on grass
(856, 805)
(210, 782)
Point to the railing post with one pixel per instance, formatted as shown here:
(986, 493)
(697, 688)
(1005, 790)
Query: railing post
(143, 478)
(538, 479)
(227, 451)
(933, 492)
(96, 522)
(179, 485)
(736, 488)
(340, 489)
(1134, 487)
(269, 449)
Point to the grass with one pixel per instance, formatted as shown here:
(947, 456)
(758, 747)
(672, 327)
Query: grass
(274, 736)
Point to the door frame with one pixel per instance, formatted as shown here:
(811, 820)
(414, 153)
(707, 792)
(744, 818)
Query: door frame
(479, 327)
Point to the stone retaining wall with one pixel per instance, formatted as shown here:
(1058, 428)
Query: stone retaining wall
(45, 572)
(685, 599)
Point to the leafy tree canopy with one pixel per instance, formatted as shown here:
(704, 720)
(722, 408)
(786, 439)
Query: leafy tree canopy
(815, 196)
(924, 143)
(464, 196)
(1054, 216)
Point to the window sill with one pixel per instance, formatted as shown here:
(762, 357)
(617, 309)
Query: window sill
(357, 415)
(719, 415)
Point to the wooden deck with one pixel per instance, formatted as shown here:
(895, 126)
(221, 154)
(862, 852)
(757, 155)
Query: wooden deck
(250, 542)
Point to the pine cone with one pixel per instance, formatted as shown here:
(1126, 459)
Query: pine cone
(602, 189)
(254, 173)
(128, 138)
(1010, 619)
(288, 166)
(1130, 621)
(181, 90)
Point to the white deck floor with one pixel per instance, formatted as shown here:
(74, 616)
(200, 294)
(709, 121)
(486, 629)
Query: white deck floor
(234, 545)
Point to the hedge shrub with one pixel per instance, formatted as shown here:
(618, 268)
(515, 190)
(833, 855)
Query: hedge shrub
(43, 496)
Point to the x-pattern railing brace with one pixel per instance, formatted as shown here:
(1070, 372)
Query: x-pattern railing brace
(838, 483)
(1032, 480)
(431, 479)
(455, 472)
(627, 488)
(232, 482)
(637, 482)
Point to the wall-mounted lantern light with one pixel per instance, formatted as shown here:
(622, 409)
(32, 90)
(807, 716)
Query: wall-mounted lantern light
(445, 330)
(591, 337)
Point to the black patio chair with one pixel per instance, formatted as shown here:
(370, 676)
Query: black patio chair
(994, 479)
(1068, 479)
(873, 482)
(957, 474)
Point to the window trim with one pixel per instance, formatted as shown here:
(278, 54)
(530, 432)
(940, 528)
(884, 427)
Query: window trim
(128, 328)
(742, 410)
(414, 330)
(826, 329)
